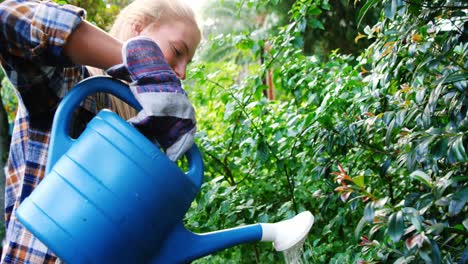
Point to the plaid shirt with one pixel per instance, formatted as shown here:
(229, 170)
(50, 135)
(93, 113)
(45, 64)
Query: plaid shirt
(32, 35)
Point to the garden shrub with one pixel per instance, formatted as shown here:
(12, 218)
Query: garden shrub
(374, 146)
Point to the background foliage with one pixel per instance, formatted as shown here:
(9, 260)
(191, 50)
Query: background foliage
(366, 127)
(8, 105)
(372, 142)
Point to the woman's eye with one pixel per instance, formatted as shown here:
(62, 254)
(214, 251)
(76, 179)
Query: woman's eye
(176, 51)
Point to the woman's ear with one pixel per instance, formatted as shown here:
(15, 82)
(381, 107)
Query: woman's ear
(137, 27)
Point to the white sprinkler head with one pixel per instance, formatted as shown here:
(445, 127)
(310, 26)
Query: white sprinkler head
(288, 233)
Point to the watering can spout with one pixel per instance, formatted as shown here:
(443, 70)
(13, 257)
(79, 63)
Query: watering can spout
(183, 246)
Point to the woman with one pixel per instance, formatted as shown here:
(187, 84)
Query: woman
(43, 49)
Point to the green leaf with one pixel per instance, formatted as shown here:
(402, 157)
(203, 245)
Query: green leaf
(396, 226)
(390, 9)
(368, 5)
(457, 150)
(456, 78)
(435, 253)
(414, 217)
(436, 229)
(458, 202)
(314, 11)
(388, 135)
(455, 207)
(262, 151)
(425, 256)
(422, 177)
(369, 213)
(439, 149)
(229, 109)
(381, 202)
(315, 23)
(359, 227)
(359, 180)
(420, 95)
(400, 260)
(385, 166)
(404, 260)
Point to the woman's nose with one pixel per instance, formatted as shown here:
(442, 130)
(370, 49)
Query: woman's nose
(180, 71)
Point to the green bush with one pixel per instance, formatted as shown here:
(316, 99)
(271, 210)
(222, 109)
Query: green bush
(373, 146)
(8, 97)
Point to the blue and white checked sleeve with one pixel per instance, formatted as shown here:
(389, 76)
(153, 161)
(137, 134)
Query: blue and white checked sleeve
(36, 31)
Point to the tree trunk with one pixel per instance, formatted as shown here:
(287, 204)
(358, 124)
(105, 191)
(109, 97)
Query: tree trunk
(267, 80)
(4, 148)
(4, 134)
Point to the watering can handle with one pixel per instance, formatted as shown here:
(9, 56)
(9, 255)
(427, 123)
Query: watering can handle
(61, 141)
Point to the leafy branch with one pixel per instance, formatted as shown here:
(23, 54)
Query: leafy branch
(259, 132)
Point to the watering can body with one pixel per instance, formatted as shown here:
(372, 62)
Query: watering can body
(109, 196)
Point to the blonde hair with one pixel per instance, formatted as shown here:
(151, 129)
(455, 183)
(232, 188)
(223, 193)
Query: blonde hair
(143, 13)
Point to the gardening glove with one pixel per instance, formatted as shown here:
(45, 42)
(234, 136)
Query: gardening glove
(167, 117)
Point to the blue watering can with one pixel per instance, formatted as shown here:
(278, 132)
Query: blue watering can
(111, 196)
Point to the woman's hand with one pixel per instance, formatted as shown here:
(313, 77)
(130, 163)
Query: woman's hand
(167, 117)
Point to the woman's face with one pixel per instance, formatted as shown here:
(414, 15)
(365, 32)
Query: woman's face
(178, 41)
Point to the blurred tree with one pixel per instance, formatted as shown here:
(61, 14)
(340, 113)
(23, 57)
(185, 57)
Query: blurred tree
(100, 12)
(336, 25)
(231, 24)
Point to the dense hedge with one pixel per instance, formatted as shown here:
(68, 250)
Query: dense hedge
(374, 146)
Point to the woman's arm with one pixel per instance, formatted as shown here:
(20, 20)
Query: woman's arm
(49, 34)
(33, 38)
(89, 45)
